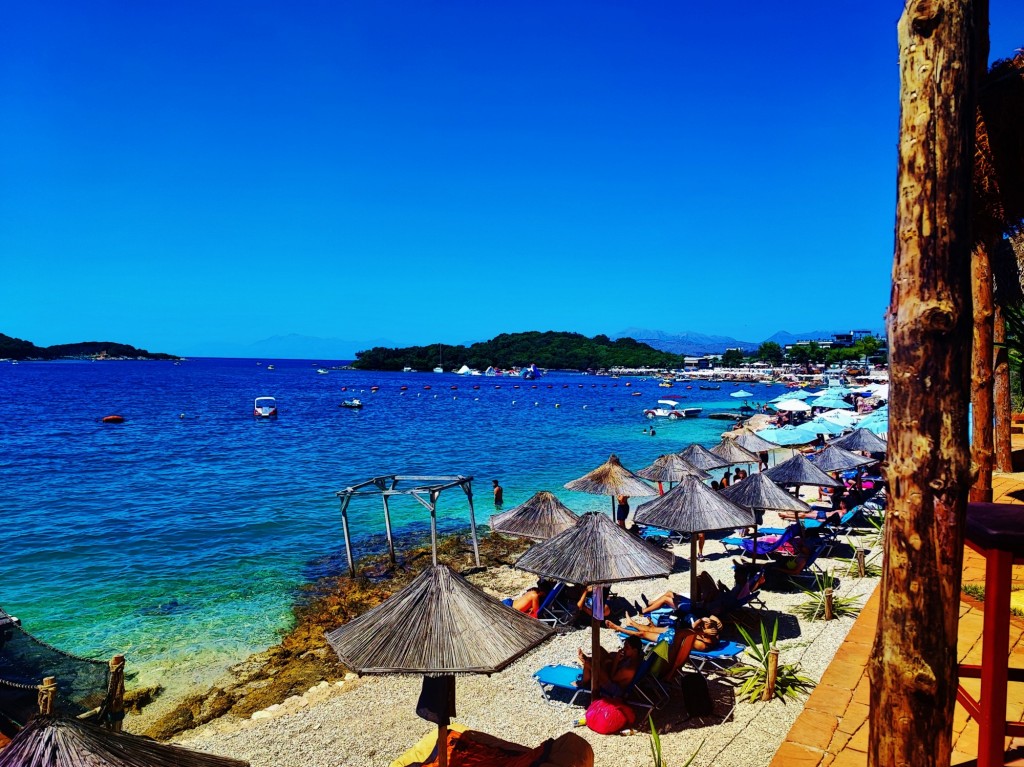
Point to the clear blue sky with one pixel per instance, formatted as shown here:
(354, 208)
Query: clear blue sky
(190, 176)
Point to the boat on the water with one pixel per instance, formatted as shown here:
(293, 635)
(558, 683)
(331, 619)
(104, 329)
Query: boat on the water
(714, 387)
(672, 410)
(353, 403)
(323, 371)
(265, 407)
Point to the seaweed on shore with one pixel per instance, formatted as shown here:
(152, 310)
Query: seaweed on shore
(303, 658)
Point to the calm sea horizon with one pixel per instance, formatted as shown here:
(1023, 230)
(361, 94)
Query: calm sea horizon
(182, 536)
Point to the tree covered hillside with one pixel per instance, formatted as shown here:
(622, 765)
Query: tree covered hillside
(557, 350)
(18, 349)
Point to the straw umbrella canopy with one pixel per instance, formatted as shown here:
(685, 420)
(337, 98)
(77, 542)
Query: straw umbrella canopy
(748, 440)
(729, 451)
(595, 552)
(693, 507)
(835, 458)
(53, 741)
(861, 440)
(757, 492)
(702, 458)
(671, 468)
(611, 478)
(799, 471)
(438, 625)
(541, 517)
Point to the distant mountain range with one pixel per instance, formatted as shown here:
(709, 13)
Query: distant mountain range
(699, 344)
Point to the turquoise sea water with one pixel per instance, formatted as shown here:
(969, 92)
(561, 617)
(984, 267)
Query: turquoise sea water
(182, 541)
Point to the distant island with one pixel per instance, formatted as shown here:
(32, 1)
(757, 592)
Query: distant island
(552, 350)
(18, 349)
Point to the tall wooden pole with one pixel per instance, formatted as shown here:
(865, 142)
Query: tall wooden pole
(1001, 394)
(913, 668)
(982, 353)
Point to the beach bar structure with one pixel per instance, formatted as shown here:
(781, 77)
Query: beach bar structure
(425, 489)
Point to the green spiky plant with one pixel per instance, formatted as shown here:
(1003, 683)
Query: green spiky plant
(656, 747)
(788, 681)
(814, 608)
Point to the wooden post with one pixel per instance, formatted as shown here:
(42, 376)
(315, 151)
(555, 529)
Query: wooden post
(829, 614)
(982, 452)
(1003, 411)
(47, 692)
(433, 525)
(115, 693)
(861, 565)
(693, 567)
(773, 674)
(913, 666)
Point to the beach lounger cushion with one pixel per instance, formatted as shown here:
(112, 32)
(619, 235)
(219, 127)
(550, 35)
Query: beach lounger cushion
(568, 750)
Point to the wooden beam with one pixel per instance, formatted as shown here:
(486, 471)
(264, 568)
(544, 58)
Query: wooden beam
(1003, 410)
(982, 353)
(913, 665)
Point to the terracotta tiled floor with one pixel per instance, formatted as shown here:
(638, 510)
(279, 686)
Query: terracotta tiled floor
(832, 731)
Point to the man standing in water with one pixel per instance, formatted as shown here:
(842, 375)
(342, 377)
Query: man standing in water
(498, 493)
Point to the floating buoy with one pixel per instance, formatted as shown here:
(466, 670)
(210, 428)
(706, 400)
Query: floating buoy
(427, 386)
(344, 388)
(401, 388)
(374, 388)
(113, 419)
(627, 384)
(557, 405)
(453, 388)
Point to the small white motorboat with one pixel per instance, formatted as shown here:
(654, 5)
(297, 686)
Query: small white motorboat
(672, 410)
(265, 407)
(353, 403)
(323, 371)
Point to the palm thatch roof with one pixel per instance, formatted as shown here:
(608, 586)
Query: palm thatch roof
(799, 471)
(611, 478)
(671, 468)
(999, 150)
(835, 458)
(439, 623)
(596, 551)
(750, 441)
(541, 517)
(861, 440)
(693, 507)
(729, 451)
(702, 458)
(51, 741)
(759, 492)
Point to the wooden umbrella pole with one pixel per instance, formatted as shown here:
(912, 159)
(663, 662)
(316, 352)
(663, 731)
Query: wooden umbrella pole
(982, 450)
(1001, 394)
(442, 745)
(693, 567)
(595, 648)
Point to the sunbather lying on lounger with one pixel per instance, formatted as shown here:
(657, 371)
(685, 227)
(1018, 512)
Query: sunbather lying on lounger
(616, 669)
(704, 630)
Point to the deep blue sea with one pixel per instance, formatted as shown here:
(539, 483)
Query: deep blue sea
(181, 536)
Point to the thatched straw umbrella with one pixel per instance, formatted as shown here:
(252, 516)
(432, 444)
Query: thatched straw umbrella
(439, 625)
(693, 507)
(758, 493)
(999, 150)
(729, 451)
(862, 441)
(799, 471)
(541, 517)
(834, 458)
(702, 458)
(671, 468)
(611, 478)
(595, 552)
(52, 741)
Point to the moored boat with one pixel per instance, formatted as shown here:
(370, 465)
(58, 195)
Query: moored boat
(265, 407)
(353, 403)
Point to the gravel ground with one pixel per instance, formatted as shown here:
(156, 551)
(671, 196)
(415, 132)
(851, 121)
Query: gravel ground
(371, 720)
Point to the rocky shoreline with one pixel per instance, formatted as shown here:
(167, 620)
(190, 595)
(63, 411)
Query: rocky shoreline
(302, 663)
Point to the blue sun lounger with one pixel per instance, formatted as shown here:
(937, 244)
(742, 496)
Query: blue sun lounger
(718, 659)
(562, 677)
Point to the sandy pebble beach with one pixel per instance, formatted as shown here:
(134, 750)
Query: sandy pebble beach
(371, 720)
